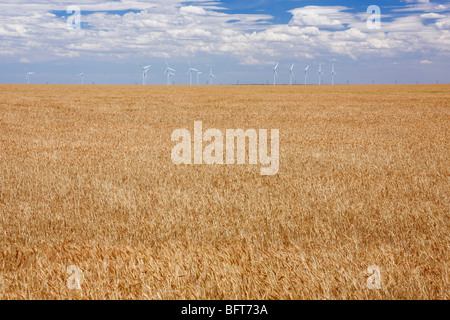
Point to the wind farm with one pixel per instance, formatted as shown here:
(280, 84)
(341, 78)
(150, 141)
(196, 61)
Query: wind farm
(109, 189)
(195, 73)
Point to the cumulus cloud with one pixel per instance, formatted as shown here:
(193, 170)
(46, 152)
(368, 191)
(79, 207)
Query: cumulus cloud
(431, 15)
(443, 23)
(352, 34)
(165, 28)
(192, 10)
(316, 16)
(424, 5)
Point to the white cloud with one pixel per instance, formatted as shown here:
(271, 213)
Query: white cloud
(166, 28)
(350, 34)
(431, 15)
(443, 23)
(425, 6)
(378, 44)
(192, 10)
(316, 16)
(251, 61)
(426, 62)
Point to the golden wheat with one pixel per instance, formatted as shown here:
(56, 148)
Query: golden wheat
(86, 179)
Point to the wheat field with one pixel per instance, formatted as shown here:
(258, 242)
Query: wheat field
(86, 179)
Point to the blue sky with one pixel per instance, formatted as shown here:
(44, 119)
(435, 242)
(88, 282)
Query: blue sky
(240, 41)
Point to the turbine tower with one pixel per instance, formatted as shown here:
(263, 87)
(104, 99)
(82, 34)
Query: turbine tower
(275, 74)
(27, 77)
(190, 72)
(169, 77)
(320, 73)
(291, 74)
(170, 72)
(211, 76)
(144, 73)
(332, 74)
(82, 77)
(306, 73)
(198, 73)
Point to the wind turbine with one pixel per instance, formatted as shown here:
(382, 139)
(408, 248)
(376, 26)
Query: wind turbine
(306, 73)
(291, 74)
(275, 74)
(82, 77)
(27, 77)
(320, 73)
(198, 73)
(170, 72)
(169, 77)
(190, 72)
(144, 73)
(332, 74)
(211, 76)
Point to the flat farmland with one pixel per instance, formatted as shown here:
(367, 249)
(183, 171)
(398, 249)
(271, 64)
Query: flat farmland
(86, 179)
